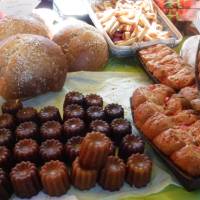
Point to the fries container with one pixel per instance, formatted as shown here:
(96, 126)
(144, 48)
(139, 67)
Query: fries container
(124, 51)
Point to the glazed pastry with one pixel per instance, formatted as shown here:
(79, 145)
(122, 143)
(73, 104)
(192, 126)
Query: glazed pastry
(12, 106)
(55, 178)
(113, 173)
(100, 126)
(73, 127)
(72, 148)
(189, 93)
(187, 159)
(25, 180)
(73, 111)
(130, 144)
(26, 150)
(6, 138)
(27, 114)
(73, 98)
(120, 128)
(95, 113)
(51, 130)
(49, 113)
(83, 179)
(94, 150)
(138, 172)
(27, 130)
(5, 158)
(93, 100)
(5, 187)
(51, 150)
(7, 121)
(113, 111)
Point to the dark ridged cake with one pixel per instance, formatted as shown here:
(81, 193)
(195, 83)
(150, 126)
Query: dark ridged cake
(93, 100)
(12, 106)
(113, 173)
(73, 97)
(113, 111)
(6, 138)
(27, 114)
(95, 113)
(25, 180)
(5, 158)
(100, 126)
(55, 178)
(7, 121)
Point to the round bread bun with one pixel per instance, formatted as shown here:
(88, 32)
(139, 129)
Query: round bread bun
(30, 65)
(83, 45)
(12, 25)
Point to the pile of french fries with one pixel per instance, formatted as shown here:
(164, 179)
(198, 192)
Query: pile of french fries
(130, 21)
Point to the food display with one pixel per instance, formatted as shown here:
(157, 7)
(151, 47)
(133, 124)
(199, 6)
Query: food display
(167, 67)
(5, 158)
(93, 100)
(95, 113)
(6, 137)
(7, 121)
(11, 106)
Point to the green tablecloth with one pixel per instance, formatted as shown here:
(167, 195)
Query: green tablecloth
(171, 192)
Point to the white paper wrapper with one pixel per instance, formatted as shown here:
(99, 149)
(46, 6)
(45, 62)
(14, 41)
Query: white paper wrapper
(113, 87)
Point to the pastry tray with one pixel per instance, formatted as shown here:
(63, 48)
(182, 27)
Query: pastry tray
(189, 183)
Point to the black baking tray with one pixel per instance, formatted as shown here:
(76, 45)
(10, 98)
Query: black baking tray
(189, 183)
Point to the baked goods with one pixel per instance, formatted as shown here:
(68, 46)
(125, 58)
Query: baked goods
(94, 150)
(51, 130)
(51, 150)
(5, 158)
(7, 121)
(94, 113)
(73, 127)
(73, 111)
(167, 66)
(5, 187)
(131, 144)
(112, 149)
(26, 150)
(100, 126)
(55, 172)
(20, 24)
(113, 111)
(40, 66)
(25, 180)
(93, 100)
(6, 138)
(113, 173)
(49, 113)
(27, 130)
(72, 148)
(84, 46)
(139, 168)
(27, 114)
(11, 106)
(73, 97)
(83, 179)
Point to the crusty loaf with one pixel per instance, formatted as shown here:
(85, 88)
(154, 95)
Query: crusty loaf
(12, 25)
(30, 65)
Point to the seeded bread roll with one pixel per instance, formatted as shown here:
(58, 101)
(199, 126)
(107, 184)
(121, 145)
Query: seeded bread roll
(30, 65)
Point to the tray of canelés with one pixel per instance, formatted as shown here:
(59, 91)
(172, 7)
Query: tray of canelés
(91, 143)
(170, 125)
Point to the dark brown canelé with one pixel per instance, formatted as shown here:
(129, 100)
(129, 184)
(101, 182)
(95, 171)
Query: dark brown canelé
(113, 173)
(73, 97)
(93, 100)
(94, 150)
(51, 130)
(95, 113)
(112, 149)
(73, 111)
(73, 127)
(83, 179)
(5, 158)
(119, 128)
(27, 130)
(5, 186)
(139, 168)
(25, 180)
(12, 106)
(27, 114)
(51, 150)
(49, 113)
(6, 138)
(131, 144)
(55, 178)
(72, 148)
(7, 121)
(26, 150)
(100, 126)
(113, 111)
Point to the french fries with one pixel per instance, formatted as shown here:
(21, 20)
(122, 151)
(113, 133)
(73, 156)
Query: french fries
(129, 21)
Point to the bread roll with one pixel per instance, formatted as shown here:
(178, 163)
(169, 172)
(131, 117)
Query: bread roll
(30, 65)
(12, 25)
(83, 45)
